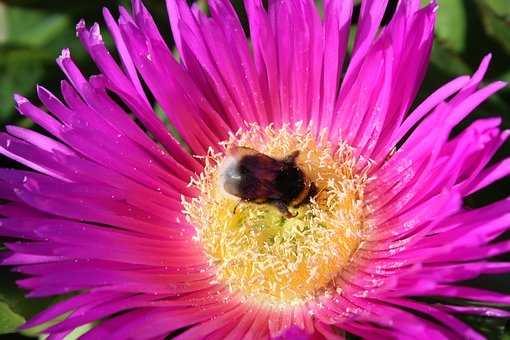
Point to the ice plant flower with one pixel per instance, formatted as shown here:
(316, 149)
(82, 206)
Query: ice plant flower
(139, 228)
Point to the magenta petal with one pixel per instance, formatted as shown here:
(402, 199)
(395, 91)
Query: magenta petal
(336, 27)
(100, 214)
(70, 304)
(372, 12)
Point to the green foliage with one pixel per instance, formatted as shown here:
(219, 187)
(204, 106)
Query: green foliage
(15, 308)
(9, 321)
(32, 32)
(451, 24)
(38, 28)
(496, 24)
(19, 71)
(492, 328)
(465, 32)
(499, 7)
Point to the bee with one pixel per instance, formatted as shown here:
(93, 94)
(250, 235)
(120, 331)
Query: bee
(255, 177)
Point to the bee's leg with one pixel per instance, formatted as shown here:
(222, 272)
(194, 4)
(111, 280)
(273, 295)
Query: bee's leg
(235, 208)
(282, 207)
(313, 191)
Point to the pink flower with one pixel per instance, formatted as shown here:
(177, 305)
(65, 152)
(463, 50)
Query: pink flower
(109, 212)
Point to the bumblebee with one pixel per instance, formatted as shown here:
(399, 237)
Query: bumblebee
(255, 177)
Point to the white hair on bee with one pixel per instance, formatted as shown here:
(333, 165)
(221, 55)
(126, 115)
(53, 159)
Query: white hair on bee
(228, 171)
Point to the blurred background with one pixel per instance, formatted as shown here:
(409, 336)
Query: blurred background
(33, 32)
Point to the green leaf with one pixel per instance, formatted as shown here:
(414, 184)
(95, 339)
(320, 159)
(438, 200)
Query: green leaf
(173, 131)
(33, 28)
(352, 35)
(451, 24)
(202, 4)
(320, 6)
(448, 61)
(77, 332)
(492, 328)
(15, 298)
(3, 23)
(9, 321)
(504, 76)
(496, 27)
(39, 329)
(20, 70)
(500, 7)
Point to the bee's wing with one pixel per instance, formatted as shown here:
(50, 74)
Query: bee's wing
(261, 173)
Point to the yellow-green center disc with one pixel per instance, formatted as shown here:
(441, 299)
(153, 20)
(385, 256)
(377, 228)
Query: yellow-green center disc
(264, 256)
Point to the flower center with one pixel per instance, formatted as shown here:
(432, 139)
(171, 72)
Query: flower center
(265, 255)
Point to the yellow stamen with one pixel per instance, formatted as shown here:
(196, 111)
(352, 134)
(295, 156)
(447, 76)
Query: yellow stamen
(260, 253)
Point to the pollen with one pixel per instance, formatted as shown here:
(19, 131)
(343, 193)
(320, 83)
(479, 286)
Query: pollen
(264, 256)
